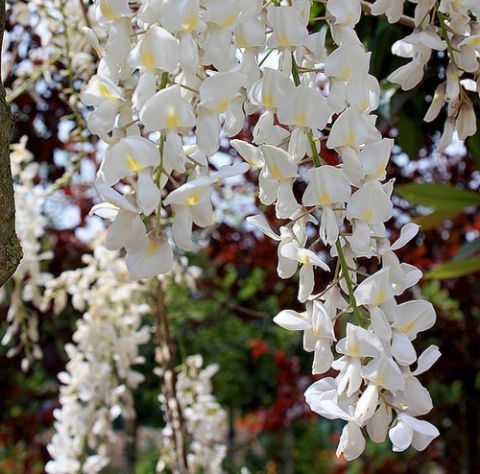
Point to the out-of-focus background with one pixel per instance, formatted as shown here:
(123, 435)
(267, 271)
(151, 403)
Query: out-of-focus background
(263, 370)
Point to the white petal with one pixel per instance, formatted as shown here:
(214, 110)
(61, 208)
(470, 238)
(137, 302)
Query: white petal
(154, 258)
(148, 194)
(377, 426)
(182, 229)
(427, 358)
(323, 357)
(408, 232)
(306, 282)
(402, 349)
(291, 320)
(251, 154)
(401, 436)
(261, 223)
(352, 442)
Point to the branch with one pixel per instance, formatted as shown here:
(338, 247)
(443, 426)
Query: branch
(10, 249)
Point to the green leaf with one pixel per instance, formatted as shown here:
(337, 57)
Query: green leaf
(473, 147)
(454, 269)
(436, 218)
(468, 249)
(440, 197)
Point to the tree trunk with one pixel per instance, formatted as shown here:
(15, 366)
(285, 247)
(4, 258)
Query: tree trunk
(10, 249)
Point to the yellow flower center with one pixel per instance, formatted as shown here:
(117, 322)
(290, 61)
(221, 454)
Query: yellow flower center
(380, 298)
(283, 40)
(190, 23)
(172, 120)
(367, 215)
(152, 247)
(379, 171)
(324, 198)
(104, 90)
(350, 137)
(221, 107)
(345, 73)
(242, 42)
(133, 164)
(300, 119)
(354, 350)
(304, 260)
(148, 59)
(267, 100)
(107, 11)
(276, 173)
(408, 327)
(228, 21)
(193, 199)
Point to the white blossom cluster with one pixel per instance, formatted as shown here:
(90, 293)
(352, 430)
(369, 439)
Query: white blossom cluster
(63, 49)
(155, 84)
(99, 375)
(205, 420)
(174, 77)
(29, 278)
(344, 207)
(451, 27)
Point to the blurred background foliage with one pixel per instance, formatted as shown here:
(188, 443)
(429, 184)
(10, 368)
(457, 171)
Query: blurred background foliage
(228, 319)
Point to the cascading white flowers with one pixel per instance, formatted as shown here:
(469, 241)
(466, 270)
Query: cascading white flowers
(29, 278)
(99, 375)
(161, 93)
(176, 78)
(450, 28)
(345, 207)
(205, 420)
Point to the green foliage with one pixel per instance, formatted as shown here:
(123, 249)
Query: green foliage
(469, 249)
(454, 269)
(440, 197)
(19, 459)
(434, 219)
(441, 299)
(473, 147)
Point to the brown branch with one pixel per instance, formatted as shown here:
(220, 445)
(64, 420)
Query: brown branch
(85, 13)
(166, 359)
(10, 249)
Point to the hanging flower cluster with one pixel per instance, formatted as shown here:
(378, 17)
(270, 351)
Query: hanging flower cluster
(205, 420)
(174, 78)
(99, 376)
(344, 207)
(451, 28)
(29, 278)
(163, 96)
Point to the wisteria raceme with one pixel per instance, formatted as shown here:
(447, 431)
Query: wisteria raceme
(152, 89)
(348, 205)
(99, 376)
(205, 420)
(29, 278)
(176, 77)
(444, 27)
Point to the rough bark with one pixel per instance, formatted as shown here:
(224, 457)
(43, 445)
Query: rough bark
(10, 249)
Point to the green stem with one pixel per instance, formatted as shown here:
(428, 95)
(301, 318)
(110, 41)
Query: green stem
(164, 80)
(344, 266)
(451, 50)
(317, 160)
(443, 27)
(158, 175)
